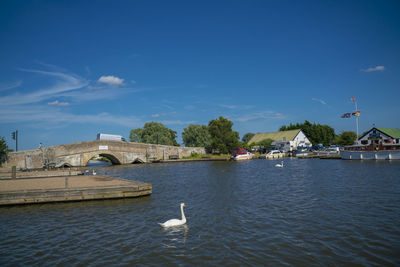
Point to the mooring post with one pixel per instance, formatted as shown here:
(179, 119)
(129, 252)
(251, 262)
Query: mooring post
(13, 172)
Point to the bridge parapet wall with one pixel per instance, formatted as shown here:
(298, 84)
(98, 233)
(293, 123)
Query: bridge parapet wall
(78, 154)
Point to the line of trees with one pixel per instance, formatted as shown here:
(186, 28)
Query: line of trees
(219, 136)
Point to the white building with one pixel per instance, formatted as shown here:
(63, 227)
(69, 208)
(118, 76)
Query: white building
(380, 136)
(284, 140)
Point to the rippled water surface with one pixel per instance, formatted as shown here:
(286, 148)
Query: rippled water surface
(310, 213)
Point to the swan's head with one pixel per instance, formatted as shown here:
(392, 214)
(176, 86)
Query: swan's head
(182, 204)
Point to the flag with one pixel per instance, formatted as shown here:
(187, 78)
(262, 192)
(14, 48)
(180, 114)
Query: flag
(346, 115)
(356, 113)
(353, 99)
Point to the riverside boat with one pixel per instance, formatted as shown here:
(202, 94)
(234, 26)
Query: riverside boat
(301, 152)
(365, 152)
(274, 154)
(332, 150)
(241, 154)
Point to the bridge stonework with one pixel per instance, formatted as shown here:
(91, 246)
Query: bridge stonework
(78, 154)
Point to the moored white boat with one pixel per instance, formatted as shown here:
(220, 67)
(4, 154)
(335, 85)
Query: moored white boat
(328, 151)
(241, 154)
(301, 152)
(274, 154)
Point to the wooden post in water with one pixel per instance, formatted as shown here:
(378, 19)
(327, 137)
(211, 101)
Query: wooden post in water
(13, 172)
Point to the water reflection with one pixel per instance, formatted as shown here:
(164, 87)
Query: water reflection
(176, 234)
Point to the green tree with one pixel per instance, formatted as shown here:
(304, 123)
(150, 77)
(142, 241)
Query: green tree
(136, 135)
(265, 142)
(3, 150)
(153, 133)
(246, 138)
(223, 138)
(196, 136)
(346, 138)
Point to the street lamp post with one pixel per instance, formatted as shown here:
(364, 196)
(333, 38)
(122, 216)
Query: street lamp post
(15, 137)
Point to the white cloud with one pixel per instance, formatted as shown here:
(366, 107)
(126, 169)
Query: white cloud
(57, 103)
(111, 80)
(377, 68)
(318, 100)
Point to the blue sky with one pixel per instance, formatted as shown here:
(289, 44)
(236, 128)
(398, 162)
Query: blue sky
(72, 69)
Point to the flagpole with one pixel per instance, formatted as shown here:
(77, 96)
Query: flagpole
(355, 102)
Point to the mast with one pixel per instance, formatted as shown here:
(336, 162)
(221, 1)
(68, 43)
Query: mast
(355, 102)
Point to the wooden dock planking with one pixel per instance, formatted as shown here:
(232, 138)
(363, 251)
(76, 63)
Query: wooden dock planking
(5, 174)
(68, 188)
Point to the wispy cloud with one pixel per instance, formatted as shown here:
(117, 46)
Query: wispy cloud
(4, 86)
(50, 118)
(111, 80)
(40, 105)
(227, 106)
(318, 100)
(377, 68)
(57, 103)
(164, 114)
(265, 115)
(64, 82)
(177, 122)
(157, 115)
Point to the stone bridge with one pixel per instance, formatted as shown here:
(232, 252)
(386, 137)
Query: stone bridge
(78, 154)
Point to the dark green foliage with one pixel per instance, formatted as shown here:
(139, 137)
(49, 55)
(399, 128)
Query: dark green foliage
(196, 136)
(246, 138)
(151, 131)
(346, 138)
(316, 133)
(3, 149)
(265, 142)
(223, 138)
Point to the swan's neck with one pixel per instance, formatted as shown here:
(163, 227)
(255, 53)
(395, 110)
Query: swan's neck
(183, 214)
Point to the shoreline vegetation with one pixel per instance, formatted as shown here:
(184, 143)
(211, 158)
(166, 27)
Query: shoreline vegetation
(219, 136)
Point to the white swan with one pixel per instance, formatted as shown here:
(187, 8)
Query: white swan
(279, 165)
(175, 222)
(94, 173)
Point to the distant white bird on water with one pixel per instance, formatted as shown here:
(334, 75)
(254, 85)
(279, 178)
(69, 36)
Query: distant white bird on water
(279, 165)
(175, 222)
(94, 173)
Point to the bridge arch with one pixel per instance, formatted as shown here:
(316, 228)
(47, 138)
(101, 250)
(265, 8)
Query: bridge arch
(115, 160)
(137, 161)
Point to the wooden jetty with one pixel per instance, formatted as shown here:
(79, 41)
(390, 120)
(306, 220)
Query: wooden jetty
(7, 173)
(68, 188)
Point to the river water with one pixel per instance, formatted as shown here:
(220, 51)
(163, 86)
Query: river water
(310, 213)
